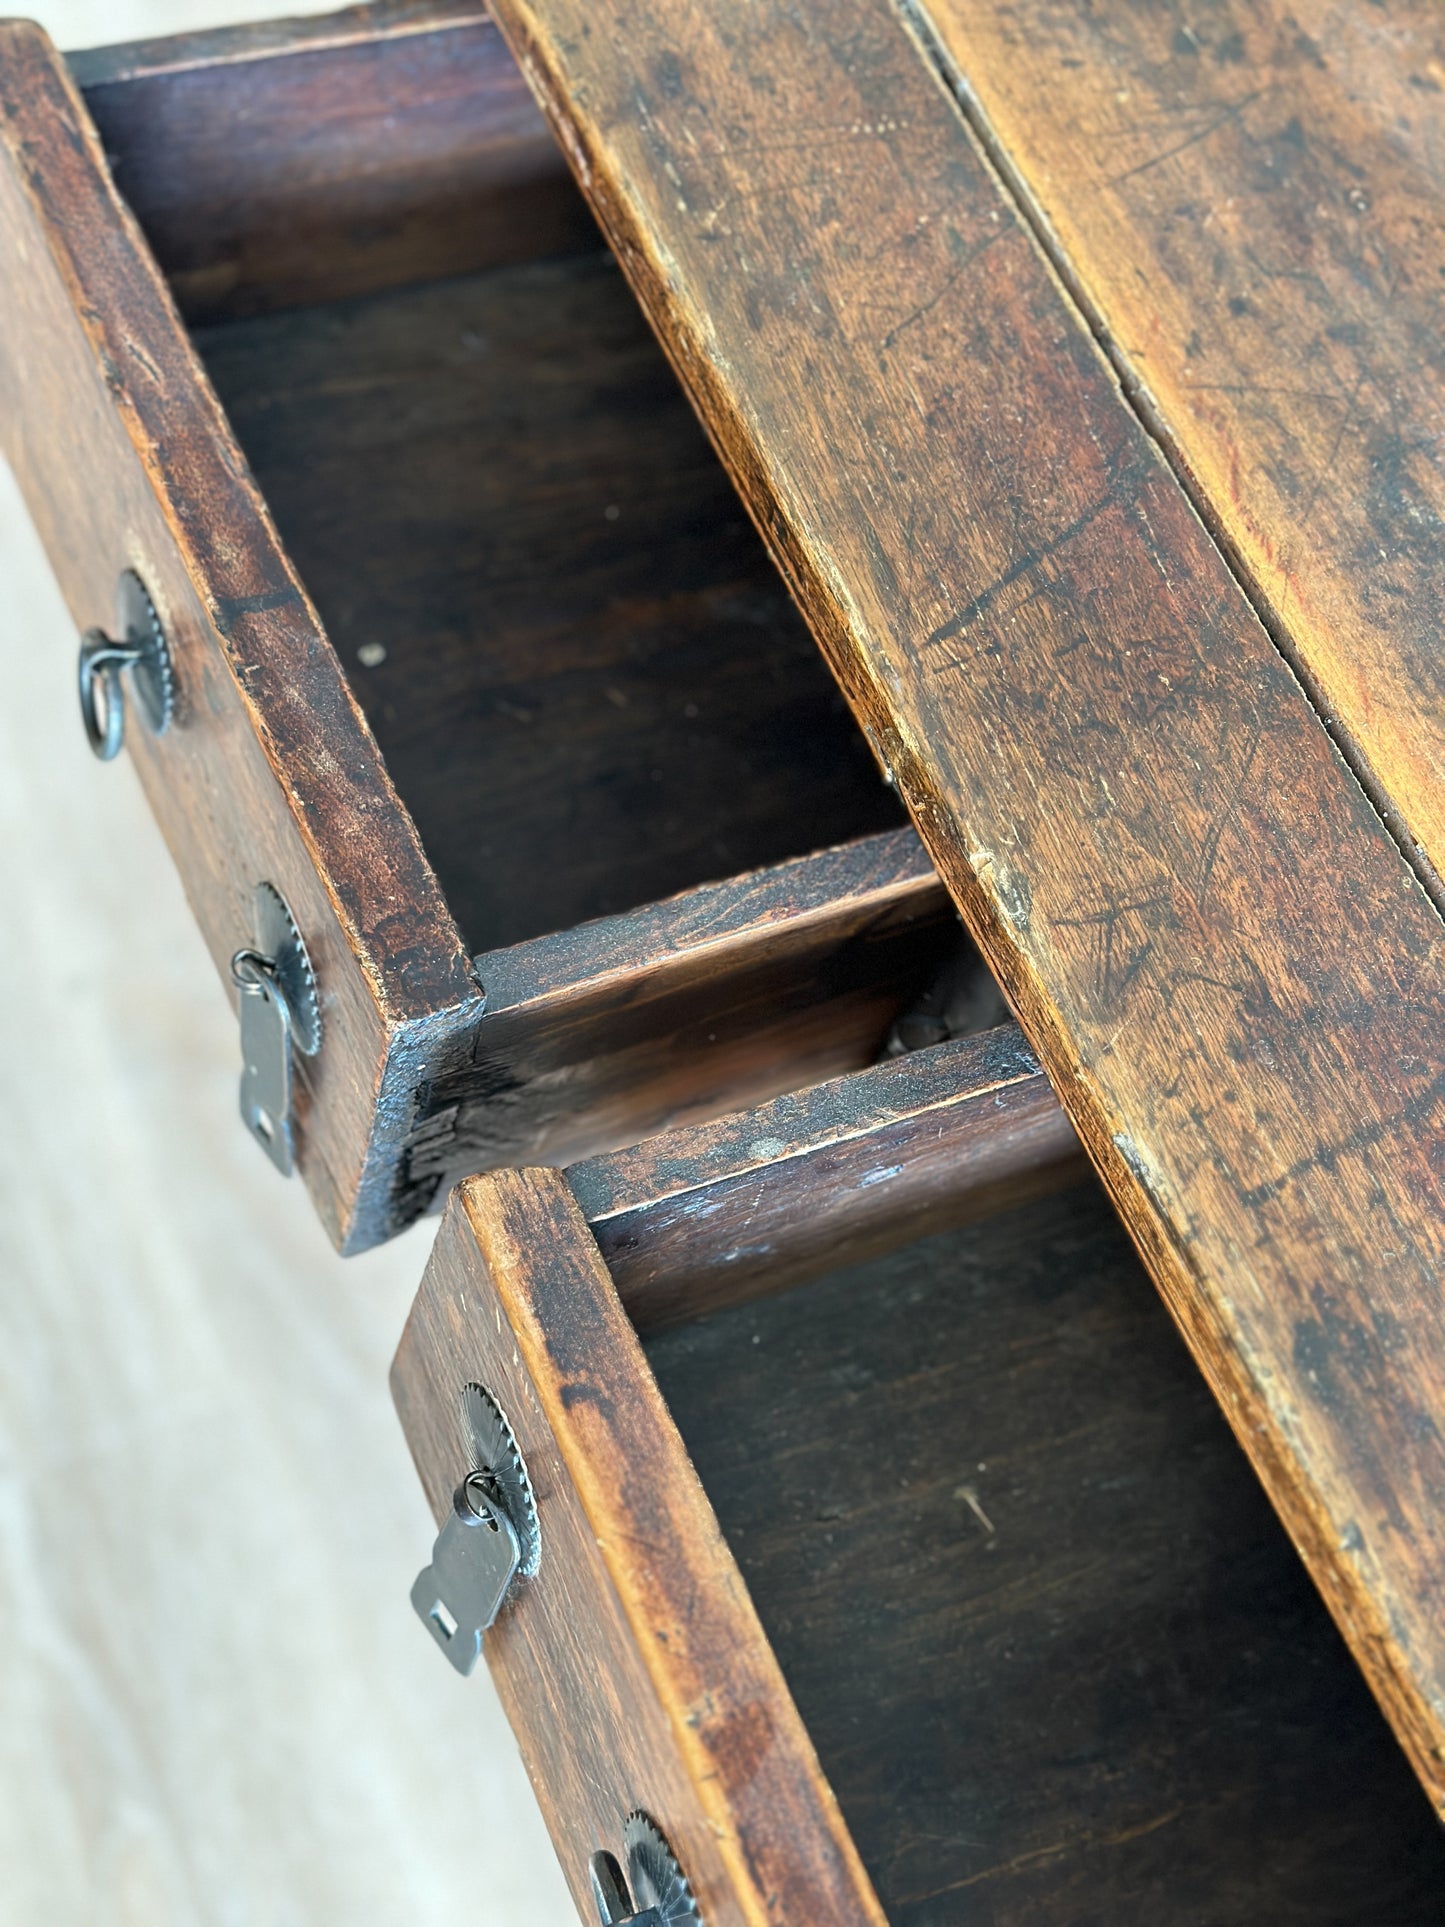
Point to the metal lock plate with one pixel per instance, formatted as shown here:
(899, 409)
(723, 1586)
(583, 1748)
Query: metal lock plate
(280, 1010)
(475, 1560)
(491, 1538)
(265, 1059)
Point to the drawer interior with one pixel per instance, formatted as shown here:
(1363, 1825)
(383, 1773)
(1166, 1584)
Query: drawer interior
(1056, 1654)
(589, 684)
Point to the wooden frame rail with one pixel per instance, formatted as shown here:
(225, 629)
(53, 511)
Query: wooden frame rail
(830, 1176)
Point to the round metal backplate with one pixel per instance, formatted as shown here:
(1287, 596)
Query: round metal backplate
(152, 674)
(277, 937)
(652, 1870)
(494, 1451)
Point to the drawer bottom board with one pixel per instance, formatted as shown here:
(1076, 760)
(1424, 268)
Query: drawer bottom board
(1059, 1661)
(588, 682)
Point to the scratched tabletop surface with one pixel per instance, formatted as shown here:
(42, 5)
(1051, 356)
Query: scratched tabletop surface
(981, 304)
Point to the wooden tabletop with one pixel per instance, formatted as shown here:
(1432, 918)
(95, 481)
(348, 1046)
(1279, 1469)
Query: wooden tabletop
(1082, 369)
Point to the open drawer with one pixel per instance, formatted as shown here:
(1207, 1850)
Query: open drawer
(476, 660)
(930, 1587)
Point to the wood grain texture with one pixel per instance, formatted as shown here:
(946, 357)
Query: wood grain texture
(713, 999)
(694, 1220)
(1232, 976)
(594, 690)
(1247, 197)
(632, 1667)
(257, 165)
(270, 770)
(1058, 1658)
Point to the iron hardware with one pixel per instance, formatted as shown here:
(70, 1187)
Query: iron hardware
(475, 1559)
(653, 1892)
(490, 1537)
(280, 1011)
(142, 650)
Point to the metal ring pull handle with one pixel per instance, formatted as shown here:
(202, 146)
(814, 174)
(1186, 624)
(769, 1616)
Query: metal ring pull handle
(102, 699)
(250, 969)
(143, 650)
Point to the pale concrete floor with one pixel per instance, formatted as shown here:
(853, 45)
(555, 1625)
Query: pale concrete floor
(215, 1704)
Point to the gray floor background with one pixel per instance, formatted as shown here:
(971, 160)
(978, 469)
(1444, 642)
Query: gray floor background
(215, 1705)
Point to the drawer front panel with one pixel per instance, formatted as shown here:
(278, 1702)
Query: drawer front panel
(632, 1666)
(269, 771)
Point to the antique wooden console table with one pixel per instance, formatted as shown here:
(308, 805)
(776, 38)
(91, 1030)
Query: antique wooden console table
(847, 1530)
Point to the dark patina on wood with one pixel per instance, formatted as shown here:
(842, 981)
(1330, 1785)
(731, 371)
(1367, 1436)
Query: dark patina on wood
(1234, 979)
(1246, 200)
(589, 685)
